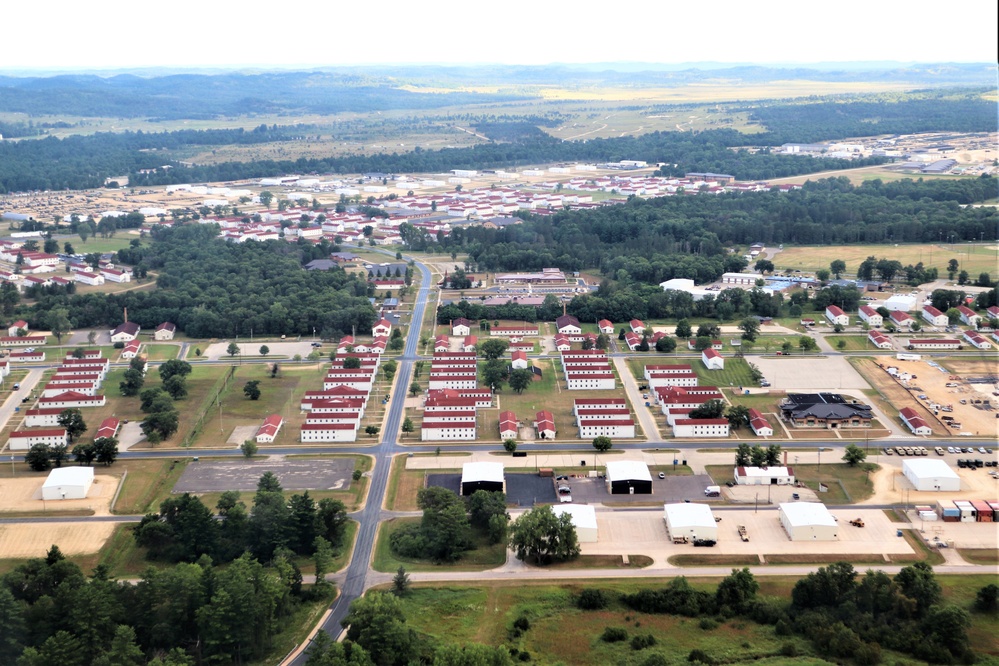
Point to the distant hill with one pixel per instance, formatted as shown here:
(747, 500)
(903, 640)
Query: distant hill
(198, 95)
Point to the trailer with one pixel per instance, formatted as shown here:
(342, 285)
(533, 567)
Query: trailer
(742, 533)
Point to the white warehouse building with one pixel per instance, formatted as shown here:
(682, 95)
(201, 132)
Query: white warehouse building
(68, 483)
(691, 521)
(931, 474)
(808, 521)
(584, 519)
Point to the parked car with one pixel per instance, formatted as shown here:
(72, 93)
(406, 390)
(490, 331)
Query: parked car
(17, 386)
(662, 475)
(950, 449)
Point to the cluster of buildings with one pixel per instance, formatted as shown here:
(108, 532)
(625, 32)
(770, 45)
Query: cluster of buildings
(587, 369)
(678, 393)
(449, 410)
(75, 384)
(603, 417)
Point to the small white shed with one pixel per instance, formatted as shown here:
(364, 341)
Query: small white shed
(693, 521)
(584, 519)
(808, 521)
(931, 474)
(68, 483)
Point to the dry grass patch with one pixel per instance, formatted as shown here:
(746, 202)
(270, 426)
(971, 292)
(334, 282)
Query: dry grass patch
(980, 555)
(603, 562)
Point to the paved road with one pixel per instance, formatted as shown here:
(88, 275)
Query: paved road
(356, 579)
(645, 416)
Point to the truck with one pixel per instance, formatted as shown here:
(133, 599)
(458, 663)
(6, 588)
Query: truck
(742, 533)
(564, 492)
(857, 522)
(712, 491)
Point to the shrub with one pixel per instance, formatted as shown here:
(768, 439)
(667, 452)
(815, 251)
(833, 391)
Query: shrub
(524, 655)
(592, 599)
(789, 650)
(699, 656)
(119, 345)
(656, 659)
(707, 624)
(642, 642)
(522, 623)
(614, 635)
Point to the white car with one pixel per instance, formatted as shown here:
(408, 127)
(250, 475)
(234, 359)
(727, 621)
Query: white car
(950, 449)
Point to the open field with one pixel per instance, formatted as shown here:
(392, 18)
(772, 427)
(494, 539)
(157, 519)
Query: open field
(33, 540)
(850, 342)
(972, 257)
(735, 373)
(894, 393)
(559, 632)
(846, 484)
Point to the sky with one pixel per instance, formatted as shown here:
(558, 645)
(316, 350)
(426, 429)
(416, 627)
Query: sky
(73, 35)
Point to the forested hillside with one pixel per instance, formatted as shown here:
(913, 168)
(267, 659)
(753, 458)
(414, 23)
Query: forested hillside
(211, 288)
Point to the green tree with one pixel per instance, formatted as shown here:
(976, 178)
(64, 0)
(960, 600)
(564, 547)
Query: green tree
(377, 623)
(105, 450)
(132, 382)
(264, 350)
(520, 379)
(494, 373)
(602, 443)
(12, 627)
(400, 582)
(84, 454)
(823, 275)
(161, 425)
(38, 458)
(72, 421)
(952, 266)
(665, 345)
(764, 266)
(806, 343)
(62, 648)
(232, 349)
(174, 367)
(252, 389)
(712, 409)
(854, 455)
(249, 448)
(742, 455)
(351, 363)
(737, 590)
(176, 386)
(58, 322)
(683, 329)
(324, 651)
(738, 416)
(492, 348)
(509, 445)
(838, 267)
(124, 651)
(407, 425)
(371, 430)
(266, 198)
(962, 278)
(414, 389)
(918, 582)
(750, 328)
(542, 537)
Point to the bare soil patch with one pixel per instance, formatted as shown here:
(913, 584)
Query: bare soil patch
(24, 495)
(34, 540)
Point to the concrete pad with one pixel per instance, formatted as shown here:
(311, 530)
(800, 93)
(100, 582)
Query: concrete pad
(797, 373)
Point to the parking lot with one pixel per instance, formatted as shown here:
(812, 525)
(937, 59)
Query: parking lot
(521, 489)
(206, 477)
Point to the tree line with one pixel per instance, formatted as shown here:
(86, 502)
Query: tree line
(191, 613)
(214, 289)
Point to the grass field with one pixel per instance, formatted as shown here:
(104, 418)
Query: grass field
(850, 342)
(972, 257)
(561, 633)
(846, 484)
(735, 373)
(485, 556)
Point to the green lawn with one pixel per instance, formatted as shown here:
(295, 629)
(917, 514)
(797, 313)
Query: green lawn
(846, 484)
(485, 556)
(974, 258)
(561, 633)
(851, 342)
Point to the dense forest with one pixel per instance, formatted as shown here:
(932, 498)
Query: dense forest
(86, 161)
(214, 289)
(685, 236)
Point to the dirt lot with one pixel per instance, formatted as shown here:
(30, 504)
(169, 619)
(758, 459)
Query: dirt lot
(827, 374)
(25, 495)
(933, 382)
(644, 532)
(891, 486)
(897, 395)
(34, 540)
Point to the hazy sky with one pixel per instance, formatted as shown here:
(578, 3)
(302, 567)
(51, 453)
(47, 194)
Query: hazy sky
(57, 34)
